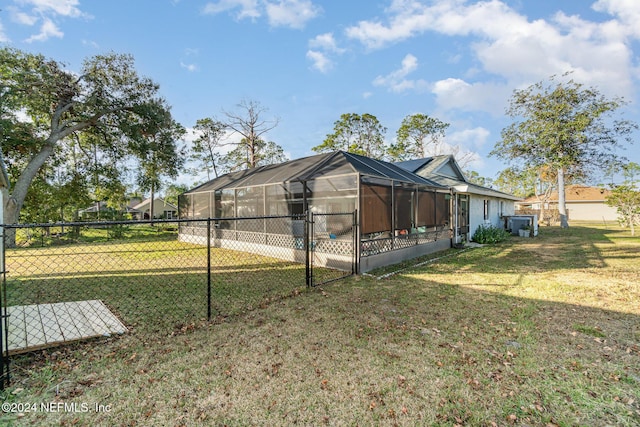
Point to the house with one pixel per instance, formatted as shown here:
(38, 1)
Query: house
(475, 205)
(100, 210)
(400, 214)
(583, 203)
(161, 209)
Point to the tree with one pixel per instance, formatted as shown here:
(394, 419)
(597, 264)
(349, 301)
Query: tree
(266, 153)
(358, 134)
(625, 197)
(251, 127)
(154, 141)
(205, 147)
(519, 182)
(415, 135)
(173, 191)
(60, 104)
(566, 126)
(475, 178)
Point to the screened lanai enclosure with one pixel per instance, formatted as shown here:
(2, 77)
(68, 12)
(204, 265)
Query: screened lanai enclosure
(364, 211)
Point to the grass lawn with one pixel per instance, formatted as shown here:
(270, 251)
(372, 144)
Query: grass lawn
(542, 331)
(153, 284)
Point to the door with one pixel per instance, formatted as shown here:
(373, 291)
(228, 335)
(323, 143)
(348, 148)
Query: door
(463, 217)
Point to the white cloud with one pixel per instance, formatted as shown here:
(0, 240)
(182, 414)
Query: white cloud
(281, 13)
(458, 94)
(47, 30)
(90, 43)
(396, 81)
(627, 11)
(325, 42)
(322, 48)
(518, 50)
(248, 8)
(469, 138)
(291, 13)
(57, 7)
(22, 18)
(189, 67)
(30, 12)
(320, 61)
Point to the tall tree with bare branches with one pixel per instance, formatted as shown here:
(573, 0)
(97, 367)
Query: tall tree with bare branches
(250, 124)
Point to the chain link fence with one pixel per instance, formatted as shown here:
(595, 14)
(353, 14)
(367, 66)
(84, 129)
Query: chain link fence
(64, 282)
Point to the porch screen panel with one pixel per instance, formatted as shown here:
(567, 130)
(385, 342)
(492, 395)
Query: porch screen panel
(227, 203)
(426, 209)
(442, 209)
(404, 208)
(201, 205)
(250, 201)
(284, 199)
(375, 208)
(333, 195)
(185, 206)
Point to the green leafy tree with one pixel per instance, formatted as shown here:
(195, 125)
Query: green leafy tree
(519, 182)
(251, 126)
(416, 134)
(172, 192)
(103, 97)
(358, 134)
(266, 153)
(475, 178)
(210, 133)
(154, 140)
(566, 126)
(626, 197)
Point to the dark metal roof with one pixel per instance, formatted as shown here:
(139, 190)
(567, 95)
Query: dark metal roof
(308, 168)
(368, 166)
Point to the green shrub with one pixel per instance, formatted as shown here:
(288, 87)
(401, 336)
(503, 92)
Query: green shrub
(489, 234)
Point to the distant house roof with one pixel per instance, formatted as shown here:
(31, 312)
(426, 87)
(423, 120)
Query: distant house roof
(307, 168)
(144, 205)
(445, 171)
(103, 206)
(576, 194)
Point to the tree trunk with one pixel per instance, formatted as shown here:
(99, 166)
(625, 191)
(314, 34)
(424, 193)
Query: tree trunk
(562, 205)
(15, 200)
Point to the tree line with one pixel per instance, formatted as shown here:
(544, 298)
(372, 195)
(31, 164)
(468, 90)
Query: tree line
(72, 139)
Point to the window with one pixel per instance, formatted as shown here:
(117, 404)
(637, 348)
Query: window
(486, 210)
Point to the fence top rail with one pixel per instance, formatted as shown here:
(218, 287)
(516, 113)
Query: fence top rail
(140, 222)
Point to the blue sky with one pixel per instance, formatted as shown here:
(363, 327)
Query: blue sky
(309, 61)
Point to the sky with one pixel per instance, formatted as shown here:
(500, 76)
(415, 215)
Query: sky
(307, 62)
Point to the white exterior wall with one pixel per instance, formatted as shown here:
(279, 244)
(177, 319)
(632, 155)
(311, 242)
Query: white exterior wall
(476, 212)
(591, 211)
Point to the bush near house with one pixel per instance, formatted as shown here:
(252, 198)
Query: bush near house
(489, 234)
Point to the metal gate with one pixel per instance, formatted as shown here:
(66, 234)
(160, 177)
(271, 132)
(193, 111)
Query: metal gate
(332, 247)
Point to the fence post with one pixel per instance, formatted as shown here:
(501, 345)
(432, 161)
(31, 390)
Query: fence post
(208, 269)
(4, 321)
(307, 251)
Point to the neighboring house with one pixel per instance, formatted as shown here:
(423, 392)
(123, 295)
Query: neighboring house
(583, 203)
(400, 215)
(100, 210)
(161, 209)
(475, 205)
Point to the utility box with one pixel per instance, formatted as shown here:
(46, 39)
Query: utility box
(519, 222)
